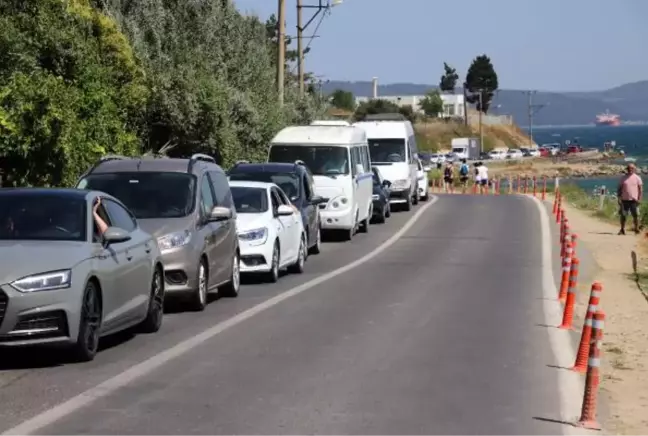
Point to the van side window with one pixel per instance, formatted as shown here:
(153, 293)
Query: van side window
(355, 160)
(207, 202)
(368, 157)
(221, 188)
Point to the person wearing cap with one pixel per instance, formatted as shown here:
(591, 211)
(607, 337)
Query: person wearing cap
(629, 194)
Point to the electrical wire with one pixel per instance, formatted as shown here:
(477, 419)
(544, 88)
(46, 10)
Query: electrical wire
(319, 23)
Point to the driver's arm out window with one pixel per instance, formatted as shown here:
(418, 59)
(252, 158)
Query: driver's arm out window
(96, 235)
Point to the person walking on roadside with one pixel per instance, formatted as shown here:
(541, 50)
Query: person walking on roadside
(482, 172)
(629, 194)
(463, 175)
(448, 178)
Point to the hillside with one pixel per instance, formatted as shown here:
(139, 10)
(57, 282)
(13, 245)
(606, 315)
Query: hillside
(630, 101)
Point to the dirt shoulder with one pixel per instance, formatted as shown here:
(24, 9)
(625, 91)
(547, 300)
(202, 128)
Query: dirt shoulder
(625, 349)
(576, 167)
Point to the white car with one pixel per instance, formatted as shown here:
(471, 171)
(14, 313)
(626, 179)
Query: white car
(270, 230)
(498, 154)
(514, 153)
(422, 180)
(437, 158)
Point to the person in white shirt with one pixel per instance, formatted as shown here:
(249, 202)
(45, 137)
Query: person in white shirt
(482, 176)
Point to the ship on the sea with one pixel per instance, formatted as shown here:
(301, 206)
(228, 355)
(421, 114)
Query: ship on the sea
(608, 119)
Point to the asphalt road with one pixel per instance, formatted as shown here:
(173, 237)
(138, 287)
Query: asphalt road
(440, 333)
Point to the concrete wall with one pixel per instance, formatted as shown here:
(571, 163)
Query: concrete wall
(491, 120)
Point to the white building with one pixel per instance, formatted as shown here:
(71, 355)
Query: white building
(453, 104)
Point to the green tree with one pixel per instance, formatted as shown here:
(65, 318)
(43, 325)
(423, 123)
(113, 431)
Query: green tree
(342, 99)
(432, 104)
(381, 106)
(481, 79)
(449, 79)
(71, 90)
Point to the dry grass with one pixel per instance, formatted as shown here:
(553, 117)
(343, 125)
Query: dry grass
(436, 135)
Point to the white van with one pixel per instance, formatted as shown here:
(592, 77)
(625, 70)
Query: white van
(393, 149)
(338, 157)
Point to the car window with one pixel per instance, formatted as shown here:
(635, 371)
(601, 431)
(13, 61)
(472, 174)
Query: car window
(275, 200)
(101, 211)
(283, 198)
(207, 202)
(308, 192)
(120, 217)
(221, 189)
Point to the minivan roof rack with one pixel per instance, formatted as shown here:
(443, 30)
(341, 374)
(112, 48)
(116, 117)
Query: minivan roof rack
(199, 157)
(103, 159)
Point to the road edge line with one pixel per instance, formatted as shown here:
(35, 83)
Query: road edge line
(570, 384)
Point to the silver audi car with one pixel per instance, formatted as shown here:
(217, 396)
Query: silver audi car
(67, 277)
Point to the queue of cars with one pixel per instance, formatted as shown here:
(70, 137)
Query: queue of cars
(137, 233)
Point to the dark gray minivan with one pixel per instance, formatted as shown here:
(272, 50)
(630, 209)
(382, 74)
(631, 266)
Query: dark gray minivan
(187, 205)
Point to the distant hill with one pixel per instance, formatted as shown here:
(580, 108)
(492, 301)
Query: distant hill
(630, 101)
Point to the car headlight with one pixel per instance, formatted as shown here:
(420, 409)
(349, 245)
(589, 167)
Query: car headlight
(174, 240)
(258, 236)
(339, 203)
(400, 184)
(44, 282)
(375, 197)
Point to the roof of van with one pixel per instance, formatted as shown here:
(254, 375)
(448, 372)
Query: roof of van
(330, 123)
(386, 129)
(302, 135)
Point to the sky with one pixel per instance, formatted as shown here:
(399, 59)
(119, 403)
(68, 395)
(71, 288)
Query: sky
(547, 45)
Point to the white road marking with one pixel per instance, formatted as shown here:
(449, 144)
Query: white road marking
(570, 384)
(142, 369)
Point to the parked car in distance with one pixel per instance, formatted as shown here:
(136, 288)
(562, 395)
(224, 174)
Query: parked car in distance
(514, 153)
(574, 149)
(187, 205)
(423, 181)
(270, 230)
(64, 283)
(296, 181)
(381, 194)
(437, 158)
(497, 154)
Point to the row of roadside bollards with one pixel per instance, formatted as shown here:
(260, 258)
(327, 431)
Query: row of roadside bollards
(588, 356)
(519, 185)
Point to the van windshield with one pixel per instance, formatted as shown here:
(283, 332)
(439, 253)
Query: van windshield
(458, 149)
(147, 194)
(387, 150)
(321, 160)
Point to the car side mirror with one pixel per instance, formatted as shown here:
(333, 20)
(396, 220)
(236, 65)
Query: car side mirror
(386, 183)
(284, 210)
(115, 235)
(317, 200)
(219, 213)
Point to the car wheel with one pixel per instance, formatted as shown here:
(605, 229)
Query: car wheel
(298, 266)
(273, 275)
(408, 204)
(87, 344)
(382, 217)
(231, 288)
(425, 197)
(364, 226)
(155, 314)
(415, 198)
(199, 296)
(388, 213)
(317, 248)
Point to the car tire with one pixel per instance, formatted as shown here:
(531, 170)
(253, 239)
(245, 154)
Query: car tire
(273, 274)
(298, 266)
(380, 219)
(408, 204)
(388, 212)
(425, 197)
(198, 300)
(232, 287)
(415, 198)
(317, 248)
(155, 313)
(364, 226)
(90, 318)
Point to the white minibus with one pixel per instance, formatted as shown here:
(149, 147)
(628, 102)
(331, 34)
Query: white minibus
(393, 149)
(338, 157)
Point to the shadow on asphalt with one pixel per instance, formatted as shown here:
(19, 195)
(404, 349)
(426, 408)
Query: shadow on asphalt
(553, 421)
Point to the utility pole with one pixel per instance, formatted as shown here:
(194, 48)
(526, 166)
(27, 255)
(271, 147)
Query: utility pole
(481, 126)
(281, 50)
(532, 109)
(465, 104)
(300, 48)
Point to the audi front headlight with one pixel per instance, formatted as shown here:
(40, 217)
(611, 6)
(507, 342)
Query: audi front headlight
(48, 281)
